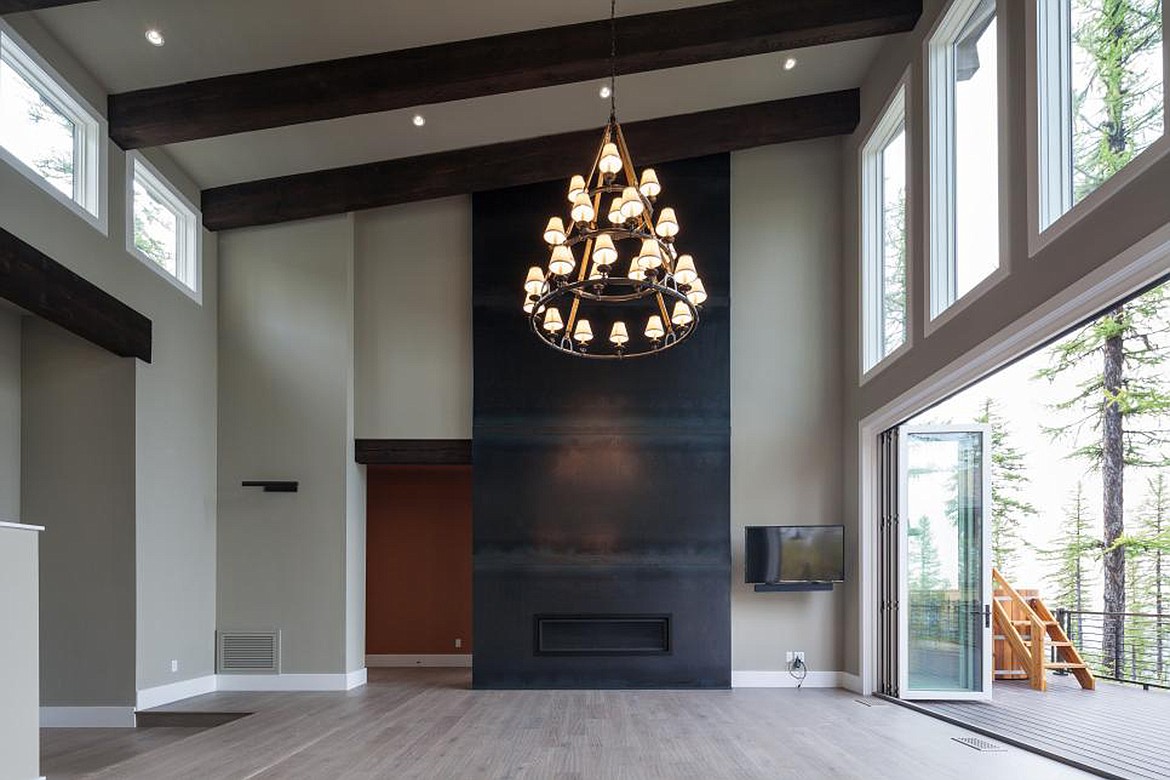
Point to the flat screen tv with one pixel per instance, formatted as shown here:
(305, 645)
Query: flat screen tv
(794, 553)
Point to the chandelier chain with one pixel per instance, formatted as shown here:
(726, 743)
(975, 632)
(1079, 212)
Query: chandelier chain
(612, 59)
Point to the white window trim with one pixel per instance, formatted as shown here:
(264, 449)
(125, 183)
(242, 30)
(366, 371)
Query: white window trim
(90, 162)
(939, 147)
(895, 115)
(1146, 261)
(188, 224)
(1040, 193)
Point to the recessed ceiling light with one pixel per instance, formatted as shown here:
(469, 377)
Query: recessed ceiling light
(155, 37)
(419, 120)
(605, 91)
(790, 63)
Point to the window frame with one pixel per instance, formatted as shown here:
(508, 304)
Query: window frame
(90, 199)
(894, 117)
(188, 226)
(939, 152)
(1051, 211)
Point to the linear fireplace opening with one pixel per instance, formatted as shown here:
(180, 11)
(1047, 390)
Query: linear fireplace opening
(609, 634)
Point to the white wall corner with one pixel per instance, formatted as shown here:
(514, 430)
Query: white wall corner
(355, 679)
(850, 682)
(87, 717)
(782, 679)
(160, 695)
(440, 660)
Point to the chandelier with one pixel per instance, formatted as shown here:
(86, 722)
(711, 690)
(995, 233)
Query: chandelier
(614, 286)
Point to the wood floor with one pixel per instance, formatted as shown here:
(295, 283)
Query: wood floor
(1117, 730)
(426, 723)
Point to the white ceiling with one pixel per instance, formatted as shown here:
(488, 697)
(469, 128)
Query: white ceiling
(216, 37)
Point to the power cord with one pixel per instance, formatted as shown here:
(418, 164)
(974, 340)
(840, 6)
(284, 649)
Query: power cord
(798, 670)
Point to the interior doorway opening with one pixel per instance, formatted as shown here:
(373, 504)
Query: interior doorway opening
(418, 566)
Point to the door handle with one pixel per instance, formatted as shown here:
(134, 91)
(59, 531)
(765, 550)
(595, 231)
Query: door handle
(987, 616)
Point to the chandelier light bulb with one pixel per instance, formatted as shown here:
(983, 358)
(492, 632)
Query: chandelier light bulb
(583, 333)
(649, 186)
(552, 320)
(681, 316)
(610, 162)
(554, 233)
(684, 270)
(604, 252)
(650, 256)
(615, 210)
(534, 284)
(596, 273)
(529, 304)
(618, 334)
(562, 261)
(636, 273)
(654, 328)
(631, 203)
(582, 209)
(697, 294)
(576, 187)
(667, 224)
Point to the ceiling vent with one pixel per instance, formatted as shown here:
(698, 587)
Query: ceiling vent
(248, 652)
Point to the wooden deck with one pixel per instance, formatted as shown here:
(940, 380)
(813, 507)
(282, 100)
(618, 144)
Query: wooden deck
(1117, 730)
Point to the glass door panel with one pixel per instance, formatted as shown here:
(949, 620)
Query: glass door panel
(945, 578)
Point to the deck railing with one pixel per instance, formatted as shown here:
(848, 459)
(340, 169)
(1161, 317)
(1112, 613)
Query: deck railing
(1132, 647)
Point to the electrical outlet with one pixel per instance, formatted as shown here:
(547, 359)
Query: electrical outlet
(174, 665)
(799, 656)
(458, 643)
(788, 657)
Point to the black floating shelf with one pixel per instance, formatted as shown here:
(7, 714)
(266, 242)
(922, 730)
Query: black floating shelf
(791, 587)
(271, 486)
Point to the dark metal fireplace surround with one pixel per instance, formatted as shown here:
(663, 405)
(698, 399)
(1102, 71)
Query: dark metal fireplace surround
(601, 490)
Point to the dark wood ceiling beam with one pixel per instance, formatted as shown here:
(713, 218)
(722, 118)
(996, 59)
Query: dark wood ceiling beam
(461, 171)
(40, 285)
(16, 6)
(492, 65)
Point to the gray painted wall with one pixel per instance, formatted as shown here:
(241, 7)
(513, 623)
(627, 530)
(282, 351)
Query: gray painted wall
(1133, 213)
(785, 386)
(175, 397)
(77, 480)
(9, 415)
(285, 412)
(19, 666)
(413, 272)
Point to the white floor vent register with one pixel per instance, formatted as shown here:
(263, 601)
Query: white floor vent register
(248, 652)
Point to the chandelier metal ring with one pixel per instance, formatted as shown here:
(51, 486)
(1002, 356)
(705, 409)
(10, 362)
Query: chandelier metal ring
(563, 341)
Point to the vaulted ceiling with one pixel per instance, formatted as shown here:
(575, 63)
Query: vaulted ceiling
(721, 55)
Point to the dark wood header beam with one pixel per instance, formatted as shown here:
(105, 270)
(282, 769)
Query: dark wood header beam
(373, 185)
(413, 452)
(16, 6)
(492, 65)
(42, 286)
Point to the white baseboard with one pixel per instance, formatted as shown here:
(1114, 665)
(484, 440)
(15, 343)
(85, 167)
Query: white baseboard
(87, 717)
(851, 682)
(438, 660)
(291, 682)
(172, 692)
(782, 679)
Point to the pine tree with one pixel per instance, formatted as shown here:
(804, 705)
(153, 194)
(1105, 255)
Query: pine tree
(894, 273)
(1150, 590)
(1125, 406)
(1071, 559)
(925, 566)
(1114, 111)
(1008, 482)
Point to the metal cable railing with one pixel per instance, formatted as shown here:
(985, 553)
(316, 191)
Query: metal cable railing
(1131, 647)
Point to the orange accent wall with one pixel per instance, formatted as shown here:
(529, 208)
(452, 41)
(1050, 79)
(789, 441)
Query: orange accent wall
(418, 559)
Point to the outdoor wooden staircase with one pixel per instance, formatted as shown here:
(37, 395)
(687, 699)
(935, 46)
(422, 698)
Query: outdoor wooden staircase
(1025, 629)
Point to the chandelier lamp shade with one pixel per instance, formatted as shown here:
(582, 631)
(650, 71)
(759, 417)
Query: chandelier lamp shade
(614, 284)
